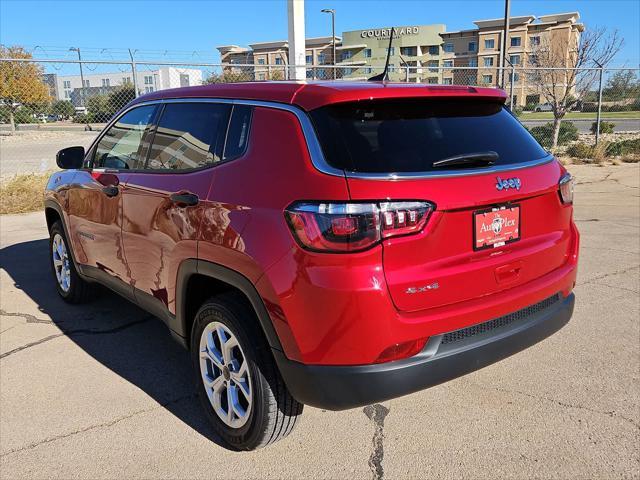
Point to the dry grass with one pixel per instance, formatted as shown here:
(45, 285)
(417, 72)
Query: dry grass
(22, 193)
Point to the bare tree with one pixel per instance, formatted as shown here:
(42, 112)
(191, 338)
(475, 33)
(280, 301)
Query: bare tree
(564, 75)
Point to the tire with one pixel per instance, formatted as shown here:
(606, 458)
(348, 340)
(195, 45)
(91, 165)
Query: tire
(73, 289)
(267, 412)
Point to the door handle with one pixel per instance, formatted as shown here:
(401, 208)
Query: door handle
(110, 190)
(184, 199)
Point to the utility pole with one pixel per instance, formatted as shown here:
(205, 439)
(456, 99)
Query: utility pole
(135, 74)
(297, 47)
(333, 36)
(74, 49)
(505, 39)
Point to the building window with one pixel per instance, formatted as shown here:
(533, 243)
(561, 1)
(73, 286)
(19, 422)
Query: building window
(126, 80)
(433, 66)
(487, 78)
(87, 84)
(66, 84)
(308, 59)
(148, 89)
(367, 53)
(447, 63)
(278, 60)
(533, 59)
(408, 51)
(472, 46)
(148, 80)
(434, 50)
(261, 61)
(309, 73)
(184, 80)
(391, 51)
(448, 47)
(432, 80)
(490, 44)
(514, 59)
(473, 62)
(392, 67)
(348, 71)
(488, 61)
(447, 81)
(516, 77)
(105, 82)
(516, 41)
(67, 94)
(535, 41)
(321, 58)
(347, 55)
(367, 70)
(261, 76)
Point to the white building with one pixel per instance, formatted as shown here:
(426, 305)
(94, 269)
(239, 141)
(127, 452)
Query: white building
(148, 80)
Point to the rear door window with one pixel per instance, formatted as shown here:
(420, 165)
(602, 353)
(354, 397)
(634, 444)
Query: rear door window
(409, 135)
(189, 136)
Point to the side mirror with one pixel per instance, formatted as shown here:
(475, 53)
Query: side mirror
(70, 157)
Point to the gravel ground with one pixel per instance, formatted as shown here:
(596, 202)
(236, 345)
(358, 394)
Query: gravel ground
(101, 391)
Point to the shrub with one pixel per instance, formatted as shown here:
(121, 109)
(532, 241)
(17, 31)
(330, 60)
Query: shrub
(517, 111)
(624, 147)
(580, 150)
(80, 118)
(605, 127)
(544, 133)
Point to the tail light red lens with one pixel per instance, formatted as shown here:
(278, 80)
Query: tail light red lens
(566, 188)
(353, 227)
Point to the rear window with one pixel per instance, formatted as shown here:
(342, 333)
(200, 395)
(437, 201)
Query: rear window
(396, 136)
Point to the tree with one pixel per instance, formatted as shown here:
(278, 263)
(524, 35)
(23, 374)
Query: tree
(120, 97)
(229, 76)
(62, 108)
(622, 84)
(20, 82)
(567, 70)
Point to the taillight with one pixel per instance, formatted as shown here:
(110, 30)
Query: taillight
(353, 227)
(565, 187)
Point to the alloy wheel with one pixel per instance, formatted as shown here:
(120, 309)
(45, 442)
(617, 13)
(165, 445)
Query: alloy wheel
(225, 374)
(61, 265)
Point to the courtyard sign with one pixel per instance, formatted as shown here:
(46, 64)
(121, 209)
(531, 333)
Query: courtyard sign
(385, 32)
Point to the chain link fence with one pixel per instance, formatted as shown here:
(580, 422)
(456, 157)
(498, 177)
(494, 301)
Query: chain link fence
(46, 105)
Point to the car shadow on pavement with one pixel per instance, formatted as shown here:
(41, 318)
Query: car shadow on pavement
(115, 332)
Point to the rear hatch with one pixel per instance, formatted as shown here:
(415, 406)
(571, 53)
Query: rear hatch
(497, 219)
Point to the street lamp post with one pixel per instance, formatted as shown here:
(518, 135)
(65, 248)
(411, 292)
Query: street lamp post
(333, 36)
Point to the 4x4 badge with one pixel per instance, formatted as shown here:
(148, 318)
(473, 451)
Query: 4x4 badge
(508, 183)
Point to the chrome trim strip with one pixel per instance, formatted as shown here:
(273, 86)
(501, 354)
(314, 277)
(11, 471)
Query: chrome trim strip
(315, 150)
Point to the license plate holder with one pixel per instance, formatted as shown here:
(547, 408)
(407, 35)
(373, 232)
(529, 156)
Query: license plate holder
(495, 227)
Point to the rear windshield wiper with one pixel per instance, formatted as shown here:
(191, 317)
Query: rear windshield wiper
(480, 159)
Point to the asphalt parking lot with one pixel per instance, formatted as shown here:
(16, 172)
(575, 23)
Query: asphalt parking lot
(101, 391)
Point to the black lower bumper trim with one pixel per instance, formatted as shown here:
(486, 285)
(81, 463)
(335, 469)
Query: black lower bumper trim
(342, 387)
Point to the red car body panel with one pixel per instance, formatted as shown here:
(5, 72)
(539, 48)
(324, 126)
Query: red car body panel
(327, 308)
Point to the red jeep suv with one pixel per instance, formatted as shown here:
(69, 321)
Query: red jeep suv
(332, 244)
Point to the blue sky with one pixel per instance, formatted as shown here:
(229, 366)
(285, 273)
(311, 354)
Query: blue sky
(203, 25)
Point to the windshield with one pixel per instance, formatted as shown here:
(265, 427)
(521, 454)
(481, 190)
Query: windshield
(409, 135)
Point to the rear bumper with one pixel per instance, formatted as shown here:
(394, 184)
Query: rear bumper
(343, 387)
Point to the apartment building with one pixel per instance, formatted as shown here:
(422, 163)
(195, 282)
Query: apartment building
(269, 59)
(422, 53)
(481, 48)
(68, 87)
(413, 46)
